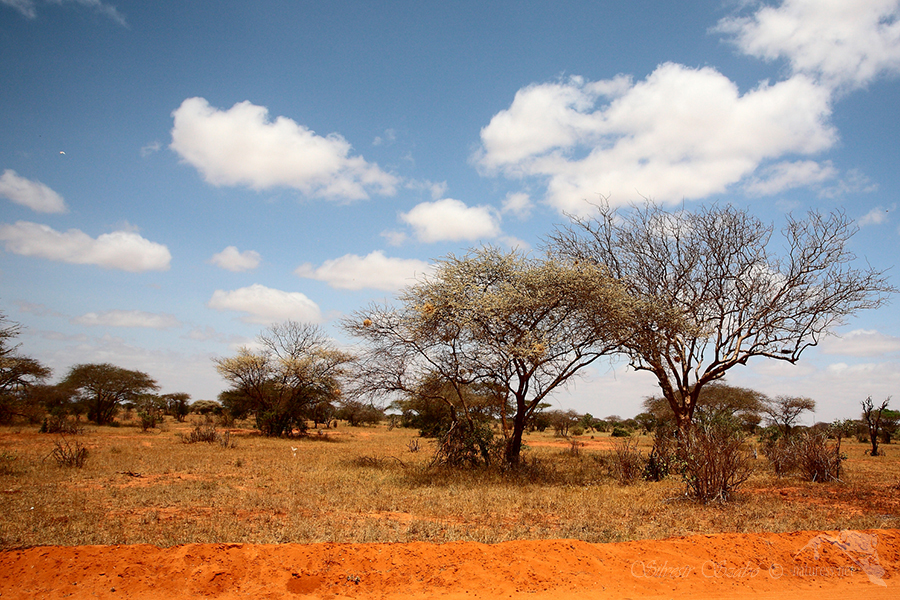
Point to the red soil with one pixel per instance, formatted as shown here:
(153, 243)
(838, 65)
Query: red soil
(795, 565)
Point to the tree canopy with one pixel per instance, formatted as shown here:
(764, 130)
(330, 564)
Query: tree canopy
(713, 291)
(297, 368)
(103, 387)
(524, 325)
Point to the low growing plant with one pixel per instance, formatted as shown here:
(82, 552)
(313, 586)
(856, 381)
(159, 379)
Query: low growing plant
(69, 454)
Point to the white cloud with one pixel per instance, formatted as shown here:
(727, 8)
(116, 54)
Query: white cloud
(241, 146)
(788, 175)
(33, 194)
(123, 250)
(234, 260)
(840, 42)
(876, 216)
(128, 318)
(861, 342)
(28, 8)
(451, 220)
(681, 133)
(518, 203)
(266, 305)
(374, 271)
(394, 237)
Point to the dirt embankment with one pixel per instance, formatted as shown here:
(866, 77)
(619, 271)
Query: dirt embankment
(795, 565)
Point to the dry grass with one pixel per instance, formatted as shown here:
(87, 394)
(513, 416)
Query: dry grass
(364, 485)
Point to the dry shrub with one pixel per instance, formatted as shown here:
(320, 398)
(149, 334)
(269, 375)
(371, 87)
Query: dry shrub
(663, 456)
(627, 461)
(207, 432)
(69, 454)
(818, 460)
(715, 463)
(7, 463)
(781, 453)
(61, 424)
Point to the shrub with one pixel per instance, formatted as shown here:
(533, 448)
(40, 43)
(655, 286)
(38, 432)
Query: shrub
(715, 463)
(663, 456)
(7, 463)
(69, 454)
(468, 443)
(206, 432)
(620, 432)
(627, 461)
(60, 424)
(817, 459)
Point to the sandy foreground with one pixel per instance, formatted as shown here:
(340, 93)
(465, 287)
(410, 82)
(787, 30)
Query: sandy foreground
(798, 565)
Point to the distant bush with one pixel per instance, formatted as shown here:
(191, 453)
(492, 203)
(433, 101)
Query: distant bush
(620, 432)
(627, 462)
(60, 424)
(207, 432)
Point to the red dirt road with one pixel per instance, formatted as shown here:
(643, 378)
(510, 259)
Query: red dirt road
(795, 565)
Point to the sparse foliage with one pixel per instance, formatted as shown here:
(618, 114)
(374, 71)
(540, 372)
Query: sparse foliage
(714, 461)
(713, 292)
(69, 453)
(521, 325)
(873, 418)
(784, 411)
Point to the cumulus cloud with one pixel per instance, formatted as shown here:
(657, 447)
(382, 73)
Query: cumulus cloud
(373, 271)
(681, 133)
(28, 8)
(128, 318)
(33, 194)
(451, 220)
(124, 250)
(861, 342)
(840, 43)
(266, 305)
(242, 146)
(518, 203)
(234, 260)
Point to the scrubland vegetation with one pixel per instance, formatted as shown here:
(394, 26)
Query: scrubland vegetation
(369, 484)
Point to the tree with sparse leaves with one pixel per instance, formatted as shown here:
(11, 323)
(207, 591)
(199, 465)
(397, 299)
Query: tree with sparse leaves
(522, 325)
(873, 418)
(714, 292)
(297, 368)
(102, 388)
(784, 411)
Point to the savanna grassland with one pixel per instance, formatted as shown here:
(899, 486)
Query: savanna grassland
(374, 484)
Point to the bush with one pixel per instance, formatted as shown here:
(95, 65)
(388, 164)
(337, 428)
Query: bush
(627, 461)
(207, 433)
(620, 432)
(60, 424)
(781, 453)
(69, 454)
(715, 464)
(817, 459)
(468, 443)
(663, 456)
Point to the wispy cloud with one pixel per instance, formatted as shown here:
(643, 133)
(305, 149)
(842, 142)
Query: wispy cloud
(124, 250)
(28, 8)
(128, 318)
(33, 194)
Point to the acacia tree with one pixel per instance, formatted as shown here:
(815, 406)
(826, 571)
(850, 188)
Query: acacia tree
(713, 292)
(101, 388)
(18, 374)
(522, 325)
(784, 411)
(297, 368)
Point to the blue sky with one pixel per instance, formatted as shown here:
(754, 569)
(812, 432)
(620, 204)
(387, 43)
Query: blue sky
(176, 176)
